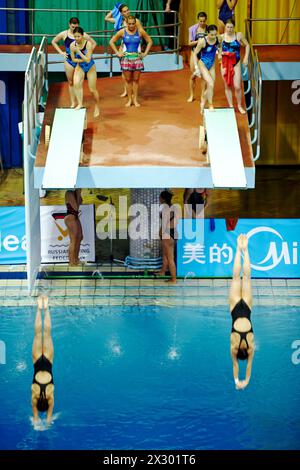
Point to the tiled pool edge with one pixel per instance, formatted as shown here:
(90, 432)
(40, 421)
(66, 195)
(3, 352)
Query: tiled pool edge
(141, 291)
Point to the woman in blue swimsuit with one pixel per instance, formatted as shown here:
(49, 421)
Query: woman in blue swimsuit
(68, 37)
(196, 32)
(206, 49)
(240, 303)
(131, 58)
(231, 44)
(226, 12)
(81, 53)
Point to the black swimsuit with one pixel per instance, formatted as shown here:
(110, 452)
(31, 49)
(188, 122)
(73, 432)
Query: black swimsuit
(241, 310)
(71, 210)
(172, 230)
(42, 365)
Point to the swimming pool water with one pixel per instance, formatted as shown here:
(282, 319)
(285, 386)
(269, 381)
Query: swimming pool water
(152, 378)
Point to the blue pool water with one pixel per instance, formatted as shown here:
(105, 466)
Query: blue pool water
(153, 378)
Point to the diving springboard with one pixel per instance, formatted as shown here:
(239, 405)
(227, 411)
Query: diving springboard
(224, 149)
(64, 150)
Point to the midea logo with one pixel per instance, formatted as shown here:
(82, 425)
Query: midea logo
(274, 256)
(12, 243)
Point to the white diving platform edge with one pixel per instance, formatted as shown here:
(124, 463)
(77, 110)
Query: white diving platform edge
(224, 149)
(64, 150)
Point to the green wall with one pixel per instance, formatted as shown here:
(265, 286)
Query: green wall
(54, 22)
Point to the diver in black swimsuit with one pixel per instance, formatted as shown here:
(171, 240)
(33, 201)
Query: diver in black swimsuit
(240, 302)
(42, 389)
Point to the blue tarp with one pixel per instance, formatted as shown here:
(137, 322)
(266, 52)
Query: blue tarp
(11, 99)
(13, 22)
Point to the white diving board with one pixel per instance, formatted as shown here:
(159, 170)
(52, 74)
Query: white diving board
(224, 149)
(64, 150)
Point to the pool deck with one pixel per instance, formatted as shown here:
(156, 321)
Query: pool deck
(138, 292)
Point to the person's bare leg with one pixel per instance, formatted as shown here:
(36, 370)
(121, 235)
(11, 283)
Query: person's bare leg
(203, 97)
(48, 350)
(135, 88)
(209, 86)
(235, 293)
(171, 262)
(237, 80)
(72, 249)
(192, 89)
(70, 76)
(71, 225)
(124, 94)
(129, 79)
(37, 347)
(192, 81)
(221, 26)
(92, 81)
(210, 92)
(79, 238)
(246, 284)
(78, 86)
(164, 267)
(228, 91)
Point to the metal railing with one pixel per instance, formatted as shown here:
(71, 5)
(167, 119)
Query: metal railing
(36, 85)
(254, 94)
(251, 21)
(106, 33)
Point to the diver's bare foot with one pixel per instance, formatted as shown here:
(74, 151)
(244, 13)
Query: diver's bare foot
(40, 302)
(46, 301)
(241, 109)
(137, 104)
(73, 105)
(211, 107)
(96, 112)
(190, 99)
(172, 281)
(124, 94)
(128, 104)
(240, 241)
(78, 262)
(244, 242)
(160, 273)
(79, 106)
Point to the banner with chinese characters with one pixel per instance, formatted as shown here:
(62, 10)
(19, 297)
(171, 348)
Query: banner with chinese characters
(273, 247)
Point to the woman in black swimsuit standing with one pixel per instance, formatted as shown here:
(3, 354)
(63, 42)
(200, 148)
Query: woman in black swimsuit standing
(168, 234)
(73, 201)
(240, 302)
(194, 201)
(42, 389)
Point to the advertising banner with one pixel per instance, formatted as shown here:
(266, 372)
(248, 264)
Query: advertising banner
(12, 235)
(55, 238)
(54, 235)
(273, 248)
